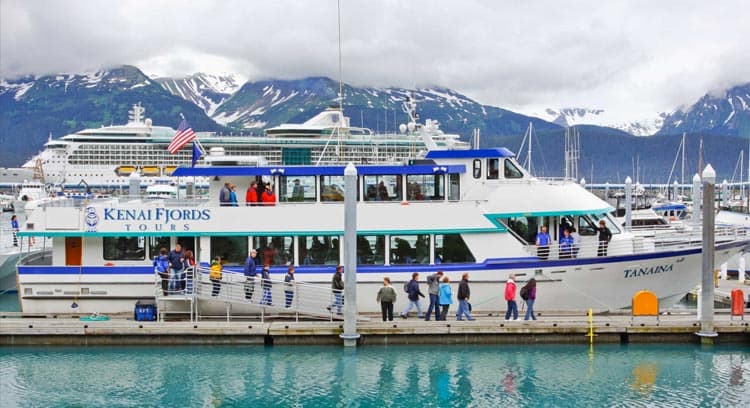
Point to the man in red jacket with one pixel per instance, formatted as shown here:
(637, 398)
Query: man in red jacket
(251, 196)
(268, 197)
(510, 297)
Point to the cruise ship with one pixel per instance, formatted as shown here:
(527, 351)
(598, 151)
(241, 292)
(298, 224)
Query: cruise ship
(107, 156)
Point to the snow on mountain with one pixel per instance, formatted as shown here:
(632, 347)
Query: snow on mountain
(600, 117)
(727, 113)
(208, 91)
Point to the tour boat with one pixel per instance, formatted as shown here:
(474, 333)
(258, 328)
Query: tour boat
(458, 211)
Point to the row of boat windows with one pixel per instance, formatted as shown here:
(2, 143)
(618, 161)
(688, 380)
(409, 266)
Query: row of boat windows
(374, 188)
(313, 249)
(510, 171)
(526, 228)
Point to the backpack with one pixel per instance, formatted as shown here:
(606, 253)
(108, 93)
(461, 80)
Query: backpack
(161, 263)
(525, 293)
(406, 286)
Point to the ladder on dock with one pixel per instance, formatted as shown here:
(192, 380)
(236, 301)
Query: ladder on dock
(243, 297)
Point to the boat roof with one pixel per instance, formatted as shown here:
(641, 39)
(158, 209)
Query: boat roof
(211, 171)
(499, 152)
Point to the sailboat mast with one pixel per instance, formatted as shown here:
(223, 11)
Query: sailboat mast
(682, 181)
(528, 159)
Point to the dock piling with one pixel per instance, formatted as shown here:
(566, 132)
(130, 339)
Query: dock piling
(350, 334)
(706, 305)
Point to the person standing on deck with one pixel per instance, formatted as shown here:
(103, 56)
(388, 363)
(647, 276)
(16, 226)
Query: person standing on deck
(225, 198)
(289, 286)
(14, 229)
(337, 287)
(605, 235)
(251, 196)
(215, 276)
(233, 196)
(386, 297)
(446, 297)
(542, 243)
(268, 197)
(250, 274)
(412, 288)
(464, 292)
(510, 297)
(566, 245)
(433, 290)
(176, 268)
(161, 267)
(189, 266)
(576, 241)
(266, 285)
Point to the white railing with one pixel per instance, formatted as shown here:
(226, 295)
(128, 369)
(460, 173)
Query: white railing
(296, 298)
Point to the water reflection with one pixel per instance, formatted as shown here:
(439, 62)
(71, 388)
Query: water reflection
(458, 376)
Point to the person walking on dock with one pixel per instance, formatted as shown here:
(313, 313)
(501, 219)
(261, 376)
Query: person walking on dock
(266, 285)
(337, 286)
(250, 274)
(176, 267)
(528, 294)
(215, 276)
(289, 286)
(510, 297)
(433, 289)
(412, 288)
(446, 297)
(542, 243)
(386, 297)
(605, 235)
(464, 292)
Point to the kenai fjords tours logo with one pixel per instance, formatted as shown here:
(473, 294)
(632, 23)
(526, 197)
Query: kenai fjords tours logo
(651, 270)
(91, 219)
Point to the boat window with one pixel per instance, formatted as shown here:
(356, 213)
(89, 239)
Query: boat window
(318, 250)
(451, 248)
(493, 169)
(157, 243)
(232, 250)
(382, 188)
(613, 228)
(586, 226)
(524, 228)
(331, 188)
(454, 192)
(477, 168)
(274, 250)
(370, 250)
(124, 248)
(297, 188)
(425, 187)
(410, 249)
(511, 171)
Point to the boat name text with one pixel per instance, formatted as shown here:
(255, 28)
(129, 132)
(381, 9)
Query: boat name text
(652, 270)
(162, 215)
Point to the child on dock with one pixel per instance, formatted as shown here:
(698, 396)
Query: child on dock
(386, 297)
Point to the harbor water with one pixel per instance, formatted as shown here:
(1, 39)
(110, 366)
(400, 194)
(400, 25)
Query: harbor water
(376, 376)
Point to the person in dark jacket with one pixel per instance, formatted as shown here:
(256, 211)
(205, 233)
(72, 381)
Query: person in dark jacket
(386, 297)
(289, 286)
(266, 285)
(250, 274)
(412, 288)
(337, 287)
(463, 298)
(530, 289)
(605, 235)
(433, 289)
(161, 267)
(176, 266)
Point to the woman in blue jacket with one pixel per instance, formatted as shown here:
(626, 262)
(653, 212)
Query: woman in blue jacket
(445, 297)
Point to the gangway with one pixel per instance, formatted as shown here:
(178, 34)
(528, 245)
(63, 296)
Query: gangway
(238, 296)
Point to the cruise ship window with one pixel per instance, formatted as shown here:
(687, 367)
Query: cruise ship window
(424, 187)
(157, 243)
(382, 188)
(451, 248)
(124, 248)
(477, 168)
(274, 250)
(493, 169)
(370, 249)
(454, 191)
(511, 171)
(297, 188)
(232, 250)
(410, 249)
(331, 188)
(318, 250)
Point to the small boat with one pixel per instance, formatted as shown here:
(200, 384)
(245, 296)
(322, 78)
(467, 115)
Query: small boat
(125, 170)
(150, 171)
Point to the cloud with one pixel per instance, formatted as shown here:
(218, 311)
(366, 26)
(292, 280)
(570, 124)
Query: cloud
(633, 58)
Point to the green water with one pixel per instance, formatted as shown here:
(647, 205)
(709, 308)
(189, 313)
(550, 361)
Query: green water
(375, 376)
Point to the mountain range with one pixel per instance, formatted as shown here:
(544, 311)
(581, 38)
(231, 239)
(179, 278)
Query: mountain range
(32, 108)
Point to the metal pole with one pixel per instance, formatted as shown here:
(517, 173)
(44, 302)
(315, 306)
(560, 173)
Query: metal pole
(350, 335)
(696, 199)
(628, 203)
(675, 194)
(725, 194)
(707, 332)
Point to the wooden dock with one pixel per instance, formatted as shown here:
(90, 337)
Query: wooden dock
(608, 328)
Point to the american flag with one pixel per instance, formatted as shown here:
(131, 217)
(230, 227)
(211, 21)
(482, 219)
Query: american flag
(183, 136)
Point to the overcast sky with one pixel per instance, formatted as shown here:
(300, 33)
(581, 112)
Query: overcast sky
(631, 58)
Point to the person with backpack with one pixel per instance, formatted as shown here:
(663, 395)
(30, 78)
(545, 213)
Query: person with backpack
(337, 287)
(446, 297)
(386, 297)
(412, 289)
(161, 267)
(433, 289)
(266, 283)
(463, 298)
(528, 294)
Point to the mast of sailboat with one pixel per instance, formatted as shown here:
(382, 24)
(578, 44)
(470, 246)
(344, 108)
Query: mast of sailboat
(528, 155)
(682, 181)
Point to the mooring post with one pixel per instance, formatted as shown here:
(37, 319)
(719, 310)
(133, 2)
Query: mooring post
(675, 194)
(706, 305)
(696, 199)
(725, 194)
(350, 334)
(628, 203)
